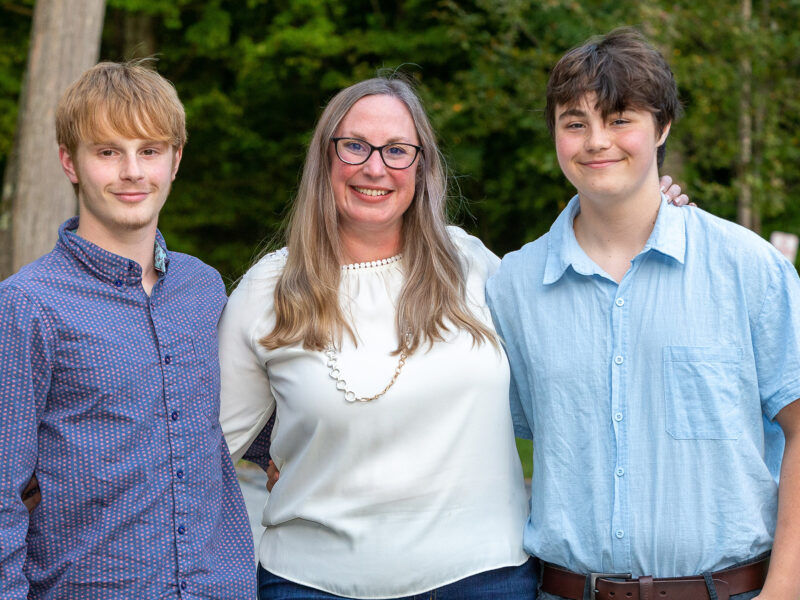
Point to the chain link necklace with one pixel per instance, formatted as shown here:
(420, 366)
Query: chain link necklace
(341, 383)
(333, 359)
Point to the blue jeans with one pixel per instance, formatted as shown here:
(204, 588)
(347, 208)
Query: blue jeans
(508, 583)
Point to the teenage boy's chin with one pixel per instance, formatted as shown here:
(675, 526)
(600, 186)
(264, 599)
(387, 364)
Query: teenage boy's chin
(603, 195)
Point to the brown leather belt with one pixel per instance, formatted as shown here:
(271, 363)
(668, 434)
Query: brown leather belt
(620, 586)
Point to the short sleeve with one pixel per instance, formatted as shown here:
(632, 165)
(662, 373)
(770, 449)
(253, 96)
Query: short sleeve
(246, 400)
(776, 340)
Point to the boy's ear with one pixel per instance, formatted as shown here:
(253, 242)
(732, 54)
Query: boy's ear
(67, 163)
(176, 161)
(664, 134)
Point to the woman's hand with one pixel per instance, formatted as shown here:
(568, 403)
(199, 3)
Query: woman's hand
(272, 475)
(673, 192)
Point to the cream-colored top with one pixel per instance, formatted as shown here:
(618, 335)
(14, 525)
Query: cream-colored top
(393, 497)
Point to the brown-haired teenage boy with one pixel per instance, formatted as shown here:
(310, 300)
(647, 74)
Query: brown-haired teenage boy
(647, 346)
(109, 385)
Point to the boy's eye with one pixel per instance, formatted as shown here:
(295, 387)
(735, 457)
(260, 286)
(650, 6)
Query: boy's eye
(106, 153)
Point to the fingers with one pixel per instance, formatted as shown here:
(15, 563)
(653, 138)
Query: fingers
(673, 192)
(681, 200)
(674, 195)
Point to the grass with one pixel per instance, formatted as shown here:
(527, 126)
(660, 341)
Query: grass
(525, 449)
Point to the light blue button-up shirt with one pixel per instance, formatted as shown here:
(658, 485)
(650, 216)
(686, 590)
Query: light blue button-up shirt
(646, 399)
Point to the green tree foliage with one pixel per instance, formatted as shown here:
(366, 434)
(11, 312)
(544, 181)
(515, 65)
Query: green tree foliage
(15, 25)
(255, 74)
(706, 42)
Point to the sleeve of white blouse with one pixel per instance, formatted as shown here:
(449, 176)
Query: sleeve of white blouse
(482, 262)
(246, 400)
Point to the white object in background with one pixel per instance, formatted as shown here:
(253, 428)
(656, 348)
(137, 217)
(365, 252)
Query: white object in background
(786, 243)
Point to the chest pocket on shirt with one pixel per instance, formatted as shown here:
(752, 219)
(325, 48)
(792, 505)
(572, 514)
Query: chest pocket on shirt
(702, 391)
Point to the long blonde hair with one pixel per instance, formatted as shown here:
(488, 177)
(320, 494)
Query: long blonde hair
(307, 304)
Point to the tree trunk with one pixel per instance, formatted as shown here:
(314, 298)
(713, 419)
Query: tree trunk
(37, 196)
(745, 205)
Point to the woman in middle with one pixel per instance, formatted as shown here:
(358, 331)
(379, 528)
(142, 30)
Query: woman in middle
(370, 335)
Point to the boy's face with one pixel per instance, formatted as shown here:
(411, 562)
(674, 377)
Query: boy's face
(122, 183)
(607, 159)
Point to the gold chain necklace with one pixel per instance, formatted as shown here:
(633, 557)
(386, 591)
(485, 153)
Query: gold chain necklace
(341, 384)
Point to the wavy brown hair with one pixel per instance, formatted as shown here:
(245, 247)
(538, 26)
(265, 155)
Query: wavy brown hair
(623, 71)
(433, 297)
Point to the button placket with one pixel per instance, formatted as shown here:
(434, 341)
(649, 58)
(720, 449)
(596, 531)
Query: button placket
(619, 370)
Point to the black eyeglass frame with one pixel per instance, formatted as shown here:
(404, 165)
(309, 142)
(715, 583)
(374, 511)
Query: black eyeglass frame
(418, 150)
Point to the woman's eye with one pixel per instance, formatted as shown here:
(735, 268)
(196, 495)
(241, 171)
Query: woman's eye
(396, 150)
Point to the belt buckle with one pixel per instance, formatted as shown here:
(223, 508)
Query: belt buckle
(593, 577)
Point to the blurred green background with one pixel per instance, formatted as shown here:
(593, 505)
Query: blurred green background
(255, 74)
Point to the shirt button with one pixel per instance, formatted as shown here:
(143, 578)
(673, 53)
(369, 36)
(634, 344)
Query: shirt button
(619, 533)
(620, 302)
(181, 529)
(118, 283)
(167, 359)
(618, 359)
(179, 473)
(618, 416)
(620, 471)
(174, 415)
(183, 585)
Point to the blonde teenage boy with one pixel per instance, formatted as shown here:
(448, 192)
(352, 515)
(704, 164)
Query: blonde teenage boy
(109, 377)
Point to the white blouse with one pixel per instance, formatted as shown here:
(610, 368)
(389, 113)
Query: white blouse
(414, 490)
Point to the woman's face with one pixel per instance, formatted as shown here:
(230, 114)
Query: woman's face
(371, 198)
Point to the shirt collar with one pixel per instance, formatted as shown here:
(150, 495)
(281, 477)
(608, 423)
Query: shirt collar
(668, 237)
(669, 234)
(106, 265)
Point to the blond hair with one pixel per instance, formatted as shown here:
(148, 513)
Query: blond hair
(127, 99)
(307, 304)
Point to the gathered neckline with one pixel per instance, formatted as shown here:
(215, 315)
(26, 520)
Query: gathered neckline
(372, 263)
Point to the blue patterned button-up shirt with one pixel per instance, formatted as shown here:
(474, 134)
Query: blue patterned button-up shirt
(110, 397)
(647, 398)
